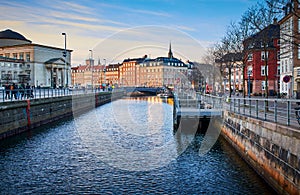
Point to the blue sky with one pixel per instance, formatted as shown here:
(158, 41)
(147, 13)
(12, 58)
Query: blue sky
(90, 23)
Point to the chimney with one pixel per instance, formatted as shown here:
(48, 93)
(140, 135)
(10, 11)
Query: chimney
(275, 21)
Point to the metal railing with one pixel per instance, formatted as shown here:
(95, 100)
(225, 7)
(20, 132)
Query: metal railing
(280, 111)
(37, 93)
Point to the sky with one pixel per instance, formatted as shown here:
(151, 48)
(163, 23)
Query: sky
(118, 29)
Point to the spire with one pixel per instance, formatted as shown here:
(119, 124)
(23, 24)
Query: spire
(170, 54)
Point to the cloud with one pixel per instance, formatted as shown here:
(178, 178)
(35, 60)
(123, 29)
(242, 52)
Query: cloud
(139, 11)
(185, 28)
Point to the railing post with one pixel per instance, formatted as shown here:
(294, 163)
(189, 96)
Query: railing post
(244, 106)
(234, 105)
(288, 113)
(3, 96)
(275, 111)
(256, 108)
(250, 107)
(265, 109)
(239, 105)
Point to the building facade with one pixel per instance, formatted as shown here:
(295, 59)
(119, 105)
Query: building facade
(133, 72)
(45, 65)
(262, 61)
(163, 71)
(13, 71)
(290, 50)
(88, 75)
(129, 71)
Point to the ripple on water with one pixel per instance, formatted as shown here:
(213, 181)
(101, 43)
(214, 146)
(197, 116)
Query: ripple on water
(57, 159)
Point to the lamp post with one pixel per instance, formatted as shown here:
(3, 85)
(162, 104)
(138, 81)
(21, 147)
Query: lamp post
(65, 56)
(104, 72)
(249, 73)
(92, 68)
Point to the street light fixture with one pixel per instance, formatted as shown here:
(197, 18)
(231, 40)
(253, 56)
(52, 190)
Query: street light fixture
(65, 56)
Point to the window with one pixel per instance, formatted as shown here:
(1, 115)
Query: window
(264, 55)
(21, 56)
(278, 70)
(7, 55)
(263, 85)
(250, 57)
(27, 57)
(299, 25)
(250, 70)
(15, 75)
(263, 70)
(298, 52)
(15, 55)
(278, 55)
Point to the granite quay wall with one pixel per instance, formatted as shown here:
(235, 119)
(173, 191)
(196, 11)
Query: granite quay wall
(273, 150)
(20, 116)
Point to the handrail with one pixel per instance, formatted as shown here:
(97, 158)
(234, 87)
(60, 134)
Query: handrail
(7, 95)
(279, 111)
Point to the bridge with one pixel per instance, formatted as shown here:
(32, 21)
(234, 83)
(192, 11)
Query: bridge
(143, 90)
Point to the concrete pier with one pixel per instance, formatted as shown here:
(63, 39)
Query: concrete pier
(20, 116)
(273, 150)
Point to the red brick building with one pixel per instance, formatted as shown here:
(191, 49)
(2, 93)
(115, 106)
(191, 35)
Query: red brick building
(262, 61)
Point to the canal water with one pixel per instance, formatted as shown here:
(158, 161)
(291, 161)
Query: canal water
(124, 147)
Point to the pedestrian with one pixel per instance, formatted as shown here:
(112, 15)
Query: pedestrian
(7, 91)
(22, 91)
(27, 91)
(14, 90)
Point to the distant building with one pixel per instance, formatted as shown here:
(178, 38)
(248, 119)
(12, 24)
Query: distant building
(290, 49)
(112, 74)
(161, 71)
(232, 71)
(88, 75)
(44, 65)
(262, 61)
(129, 71)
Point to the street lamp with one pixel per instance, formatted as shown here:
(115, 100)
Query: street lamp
(104, 72)
(249, 73)
(92, 68)
(65, 56)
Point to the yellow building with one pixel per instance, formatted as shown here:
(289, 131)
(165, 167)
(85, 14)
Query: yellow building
(133, 72)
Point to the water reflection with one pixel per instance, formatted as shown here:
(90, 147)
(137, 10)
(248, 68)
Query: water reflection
(133, 133)
(59, 159)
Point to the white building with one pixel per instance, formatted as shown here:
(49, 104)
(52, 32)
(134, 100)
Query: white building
(45, 65)
(290, 49)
